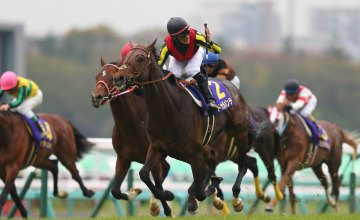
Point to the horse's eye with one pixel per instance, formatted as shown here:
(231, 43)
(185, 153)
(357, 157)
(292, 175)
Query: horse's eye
(141, 59)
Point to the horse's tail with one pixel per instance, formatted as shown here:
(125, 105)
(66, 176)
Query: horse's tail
(352, 139)
(82, 144)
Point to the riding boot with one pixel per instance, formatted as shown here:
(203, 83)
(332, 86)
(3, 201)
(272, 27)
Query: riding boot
(202, 83)
(38, 125)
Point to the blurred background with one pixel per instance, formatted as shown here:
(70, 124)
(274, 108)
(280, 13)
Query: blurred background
(59, 43)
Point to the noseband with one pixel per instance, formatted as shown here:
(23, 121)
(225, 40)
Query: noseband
(113, 92)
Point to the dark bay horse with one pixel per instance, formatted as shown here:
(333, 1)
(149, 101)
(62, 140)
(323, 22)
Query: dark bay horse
(176, 126)
(266, 145)
(16, 147)
(129, 135)
(295, 148)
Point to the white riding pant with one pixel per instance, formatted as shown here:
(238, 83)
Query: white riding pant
(309, 107)
(28, 104)
(236, 81)
(190, 67)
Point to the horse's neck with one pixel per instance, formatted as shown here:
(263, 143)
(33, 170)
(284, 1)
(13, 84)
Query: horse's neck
(163, 98)
(127, 109)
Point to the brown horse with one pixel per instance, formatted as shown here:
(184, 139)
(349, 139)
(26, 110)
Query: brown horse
(129, 135)
(16, 148)
(176, 126)
(295, 148)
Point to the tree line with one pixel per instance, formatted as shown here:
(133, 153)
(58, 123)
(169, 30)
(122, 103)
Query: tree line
(65, 68)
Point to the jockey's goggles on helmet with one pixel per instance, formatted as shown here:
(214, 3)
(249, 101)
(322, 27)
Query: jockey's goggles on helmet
(183, 34)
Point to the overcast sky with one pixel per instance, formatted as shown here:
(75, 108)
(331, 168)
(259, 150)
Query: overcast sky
(41, 17)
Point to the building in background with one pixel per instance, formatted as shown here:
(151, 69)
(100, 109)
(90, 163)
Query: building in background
(337, 28)
(244, 24)
(12, 48)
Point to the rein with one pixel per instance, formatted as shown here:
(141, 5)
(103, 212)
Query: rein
(284, 125)
(113, 92)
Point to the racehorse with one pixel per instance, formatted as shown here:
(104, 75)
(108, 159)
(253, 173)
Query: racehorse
(129, 135)
(176, 126)
(266, 145)
(16, 153)
(296, 147)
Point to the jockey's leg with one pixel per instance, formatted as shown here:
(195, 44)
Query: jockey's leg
(209, 98)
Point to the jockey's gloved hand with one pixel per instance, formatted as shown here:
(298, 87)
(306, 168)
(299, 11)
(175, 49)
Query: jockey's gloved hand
(288, 108)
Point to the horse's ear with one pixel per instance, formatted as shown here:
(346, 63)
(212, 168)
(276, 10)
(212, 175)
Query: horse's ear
(132, 44)
(151, 45)
(102, 61)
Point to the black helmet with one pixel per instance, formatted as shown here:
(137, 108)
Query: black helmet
(291, 86)
(176, 25)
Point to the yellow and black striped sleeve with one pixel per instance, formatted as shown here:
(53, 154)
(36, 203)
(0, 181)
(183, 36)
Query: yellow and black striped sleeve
(164, 54)
(212, 46)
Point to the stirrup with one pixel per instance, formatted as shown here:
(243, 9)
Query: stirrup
(212, 106)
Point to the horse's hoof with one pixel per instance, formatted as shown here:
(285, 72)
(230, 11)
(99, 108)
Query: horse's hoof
(167, 195)
(238, 204)
(269, 208)
(218, 203)
(192, 212)
(154, 209)
(89, 193)
(62, 195)
(133, 192)
(266, 198)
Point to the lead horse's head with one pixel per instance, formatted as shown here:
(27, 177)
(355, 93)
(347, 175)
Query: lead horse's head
(278, 116)
(136, 66)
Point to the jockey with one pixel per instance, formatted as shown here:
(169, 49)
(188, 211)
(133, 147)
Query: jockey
(216, 67)
(125, 50)
(185, 46)
(26, 93)
(301, 99)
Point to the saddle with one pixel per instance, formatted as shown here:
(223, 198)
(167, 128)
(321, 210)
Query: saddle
(317, 133)
(222, 97)
(45, 140)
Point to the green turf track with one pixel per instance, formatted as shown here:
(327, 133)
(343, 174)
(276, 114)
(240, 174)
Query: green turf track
(239, 217)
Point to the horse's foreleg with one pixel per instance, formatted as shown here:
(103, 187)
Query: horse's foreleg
(121, 169)
(154, 157)
(268, 159)
(17, 201)
(241, 142)
(159, 174)
(287, 172)
(252, 165)
(9, 187)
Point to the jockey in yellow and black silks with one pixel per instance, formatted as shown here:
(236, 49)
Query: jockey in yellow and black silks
(185, 47)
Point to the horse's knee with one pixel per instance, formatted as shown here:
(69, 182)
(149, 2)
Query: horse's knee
(144, 175)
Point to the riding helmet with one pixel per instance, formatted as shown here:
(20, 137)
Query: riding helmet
(176, 25)
(8, 80)
(212, 58)
(291, 86)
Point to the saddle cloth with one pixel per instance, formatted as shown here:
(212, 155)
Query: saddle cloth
(318, 133)
(44, 140)
(222, 97)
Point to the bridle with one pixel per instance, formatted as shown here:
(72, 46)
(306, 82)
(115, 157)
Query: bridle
(132, 80)
(284, 122)
(113, 92)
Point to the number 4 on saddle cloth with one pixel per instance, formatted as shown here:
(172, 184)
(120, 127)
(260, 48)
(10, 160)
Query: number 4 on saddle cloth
(40, 140)
(222, 97)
